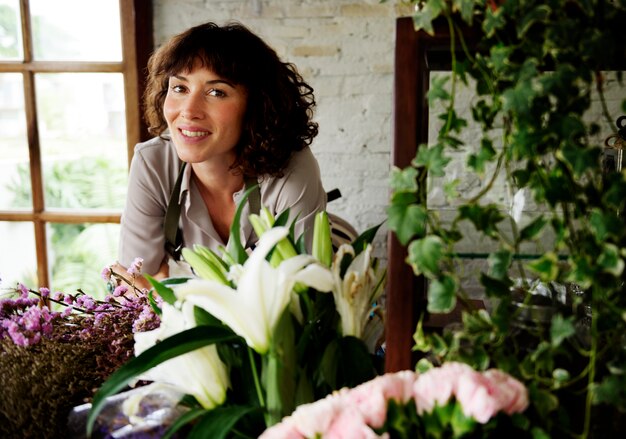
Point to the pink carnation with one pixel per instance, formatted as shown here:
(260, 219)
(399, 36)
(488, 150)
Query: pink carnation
(350, 424)
(372, 397)
(477, 396)
(512, 395)
(438, 385)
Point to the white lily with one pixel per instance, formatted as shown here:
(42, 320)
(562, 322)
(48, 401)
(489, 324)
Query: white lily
(355, 293)
(200, 373)
(263, 292)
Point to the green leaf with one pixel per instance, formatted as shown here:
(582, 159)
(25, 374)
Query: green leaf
(219, 422)
(461, 424)
(547, 267)
(422, 18)
(560, 329)
(496, 287)
(171, 347)
(365, 238)
(438, 91)
(610, 260)
(499, 263)
(442, 295)
(539, 14)
(433, 159)
(425, 254)
(465, 7)
(403, 180)
(484, 218)
(407, 221)
(236, 250)
(530, 231)
(493, 21)
(167, 294)
(485, 154)
(183, 420)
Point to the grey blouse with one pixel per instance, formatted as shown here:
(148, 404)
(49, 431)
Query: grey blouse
(153, 173)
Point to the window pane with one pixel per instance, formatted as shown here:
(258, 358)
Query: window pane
(78, 253)
(14, 170)
(10, 31)
(76, 30)
(18, 260)
(83, 139)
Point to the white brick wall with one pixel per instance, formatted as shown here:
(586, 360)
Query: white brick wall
(344, 50)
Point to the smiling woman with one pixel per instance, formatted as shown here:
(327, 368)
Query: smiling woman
(220, 100)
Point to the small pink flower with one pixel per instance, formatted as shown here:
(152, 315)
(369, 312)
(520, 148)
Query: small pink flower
(372, 397)
(135, 267)
(120, 291)
(316, 417)
(477, 396)
(350, 424)
(512, 395)
(438, 385)
(283, 430)
(106, 274)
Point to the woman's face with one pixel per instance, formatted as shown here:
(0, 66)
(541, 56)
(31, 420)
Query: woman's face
(204, 113)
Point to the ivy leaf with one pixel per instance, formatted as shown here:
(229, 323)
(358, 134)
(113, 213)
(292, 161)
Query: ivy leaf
(604, 224)
(485, 154)
(531, 230)
(433, 159)
(541, 13)
(422, 19)
(465, 7)
(425, 254)
(610, 260)
(452, 121)
(404, 180)
(484, 218)
(560, 329)
(579, 158)
(546, 267)
(437, 90)
(407, 221)
(499, 263)
(442, 295)
(493, 21)
(496, 287)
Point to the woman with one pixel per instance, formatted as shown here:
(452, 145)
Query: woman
(220, 100)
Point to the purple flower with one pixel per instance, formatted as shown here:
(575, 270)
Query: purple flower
(106, 274)
(120, 291)
(45, 292)
(24, 290)
(57, 295)
(135, 267)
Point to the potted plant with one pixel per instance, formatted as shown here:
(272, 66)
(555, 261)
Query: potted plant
(532, 74)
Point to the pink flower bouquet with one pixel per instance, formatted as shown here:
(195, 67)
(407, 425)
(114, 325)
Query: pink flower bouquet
(453, 400)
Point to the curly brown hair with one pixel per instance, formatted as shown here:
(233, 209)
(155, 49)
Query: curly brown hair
(278, 119)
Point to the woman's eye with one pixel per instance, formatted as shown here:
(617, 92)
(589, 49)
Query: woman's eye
(177, 88)
(216, 93)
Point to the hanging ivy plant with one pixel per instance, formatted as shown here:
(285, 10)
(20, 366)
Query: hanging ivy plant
(533, 73)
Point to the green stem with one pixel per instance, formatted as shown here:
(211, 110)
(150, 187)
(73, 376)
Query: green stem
(255, 376)
(592, 368)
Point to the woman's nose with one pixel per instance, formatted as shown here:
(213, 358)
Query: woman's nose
(193, 107)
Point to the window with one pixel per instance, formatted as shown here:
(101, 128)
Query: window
(70, 85)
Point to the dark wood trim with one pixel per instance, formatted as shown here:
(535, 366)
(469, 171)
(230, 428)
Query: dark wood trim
(416, 55)
(137, 45)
